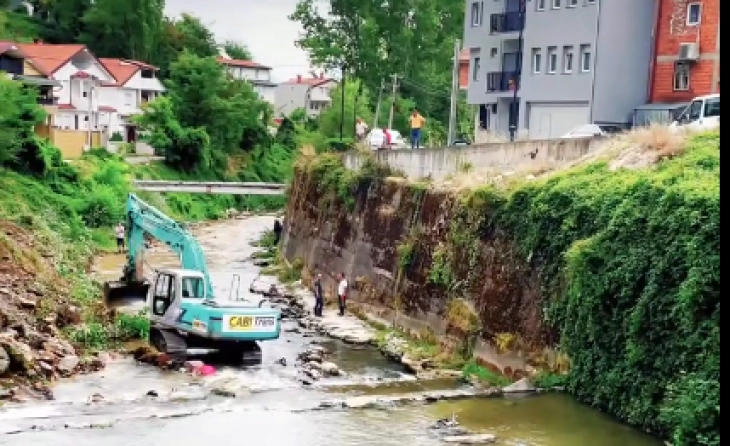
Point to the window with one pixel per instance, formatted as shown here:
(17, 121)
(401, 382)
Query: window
(193, 288)
(585, 58)
(476, 14)
(712, 108)
(483, 117)
(681, 76)
(541, 5)
(557, 4)
(164, 294)
(695, 110)
(536, 61)
(552, 60)
(572, 3)
(128, 99)
(694, 14)
(494, 52)
(568, 57)
(475, 68)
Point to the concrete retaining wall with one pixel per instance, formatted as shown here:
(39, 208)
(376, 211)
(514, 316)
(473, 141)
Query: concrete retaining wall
(438, 164)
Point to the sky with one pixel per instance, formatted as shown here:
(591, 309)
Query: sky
(262, 25)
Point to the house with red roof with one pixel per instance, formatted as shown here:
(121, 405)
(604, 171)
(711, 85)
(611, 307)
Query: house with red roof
(312, 94)
(135, 84)
(92, 99)
(257, 74)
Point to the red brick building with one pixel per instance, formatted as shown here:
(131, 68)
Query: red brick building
(687, 53)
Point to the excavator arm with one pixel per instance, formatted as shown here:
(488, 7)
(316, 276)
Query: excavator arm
(144, 220)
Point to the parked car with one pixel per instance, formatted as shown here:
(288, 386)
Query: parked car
(376, 139)
(592, 131)
(703, 113)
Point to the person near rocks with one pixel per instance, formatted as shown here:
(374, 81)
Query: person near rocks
(416, 122)
(342, 287)
(119, 232)
(278, 228)
(318, 296)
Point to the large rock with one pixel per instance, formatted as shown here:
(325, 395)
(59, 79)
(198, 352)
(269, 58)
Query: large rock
(20, 354)
(522, 386)
(58, 347)
(68, 364)
(4, 361)
(228, 387)
(470, 439)
(330, 369)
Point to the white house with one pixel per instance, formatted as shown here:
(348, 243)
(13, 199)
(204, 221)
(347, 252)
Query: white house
(95, 94)
(79, 73)
(311, 94)
(258, 75)
(135, 84)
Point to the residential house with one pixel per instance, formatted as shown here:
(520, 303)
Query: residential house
(135, 83)
(258, 75)
(686, 60)
(544, 67)
(15, 65)
(310, 94)
(96, 98)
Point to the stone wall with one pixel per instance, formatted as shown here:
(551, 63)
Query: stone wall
(363, 244)
(438, 164)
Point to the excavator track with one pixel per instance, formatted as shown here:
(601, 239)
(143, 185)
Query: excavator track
(168, 341)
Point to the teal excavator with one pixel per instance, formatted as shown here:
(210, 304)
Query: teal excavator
(186, 318)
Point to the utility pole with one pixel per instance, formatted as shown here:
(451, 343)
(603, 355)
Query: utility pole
(454, 93)
(514, 113)
(377, 107)
(392, 104)
(342, 105)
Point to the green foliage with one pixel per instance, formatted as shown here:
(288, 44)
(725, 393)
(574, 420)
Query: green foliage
(237, 50)
(17, 26)
(472, 370)
(19, 112)
(406, 254)
(440, 272)
(632, 267)
(546, 380)
(330, 119)
(374, 40)
(131, 29)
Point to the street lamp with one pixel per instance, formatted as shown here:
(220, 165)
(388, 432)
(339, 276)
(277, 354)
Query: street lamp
(514, 107)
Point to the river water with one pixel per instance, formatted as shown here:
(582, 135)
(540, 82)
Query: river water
(277, 411)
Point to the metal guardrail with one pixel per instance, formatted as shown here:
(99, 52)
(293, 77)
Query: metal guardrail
(211, 187)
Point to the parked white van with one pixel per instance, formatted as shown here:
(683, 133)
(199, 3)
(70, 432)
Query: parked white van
(703, 113)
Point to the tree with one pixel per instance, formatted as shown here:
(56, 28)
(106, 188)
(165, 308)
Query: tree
(64, 20)
(237, 50)
(205, 117)
(373, 39)
(187, 33)
(130, 29)
(19, 113)
(329, 121)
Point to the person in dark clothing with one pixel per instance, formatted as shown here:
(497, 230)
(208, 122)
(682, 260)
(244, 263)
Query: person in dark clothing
(318, 296)
(277, 231)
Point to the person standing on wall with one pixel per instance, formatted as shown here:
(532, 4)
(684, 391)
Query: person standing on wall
(361, 130)
(417, 122)
(342, 287)
(278, 228)
(318, 295)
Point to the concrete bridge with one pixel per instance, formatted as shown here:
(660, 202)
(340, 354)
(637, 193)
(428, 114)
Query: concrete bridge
(211, 187)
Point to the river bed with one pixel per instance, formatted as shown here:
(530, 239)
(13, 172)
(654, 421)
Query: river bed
(143, 406)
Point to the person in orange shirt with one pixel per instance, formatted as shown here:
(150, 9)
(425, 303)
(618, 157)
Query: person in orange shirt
(417, 122)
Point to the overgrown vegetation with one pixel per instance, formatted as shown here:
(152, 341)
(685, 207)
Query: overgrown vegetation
(630, 267)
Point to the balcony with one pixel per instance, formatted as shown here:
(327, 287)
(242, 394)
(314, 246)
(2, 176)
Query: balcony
(47, 100)
(501, 81)
(507, 22)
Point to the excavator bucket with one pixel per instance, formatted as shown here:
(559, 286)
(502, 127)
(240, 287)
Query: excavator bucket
(125, 296)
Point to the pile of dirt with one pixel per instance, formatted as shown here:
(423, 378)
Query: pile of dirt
(34, 308)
